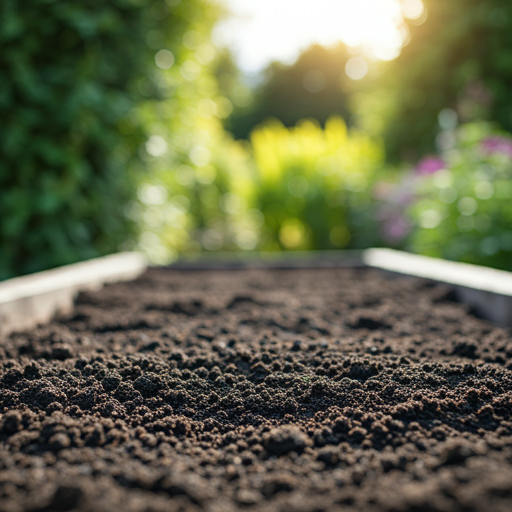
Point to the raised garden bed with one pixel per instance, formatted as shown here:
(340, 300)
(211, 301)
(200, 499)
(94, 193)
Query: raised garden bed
(303, 389)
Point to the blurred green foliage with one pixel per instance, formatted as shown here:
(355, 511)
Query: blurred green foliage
(114, 116)
(71, 75)
(459, 57)
(294, 188)
(464, 211)
(199, 206)
(314, 87)
(185, 201)
(313, 186)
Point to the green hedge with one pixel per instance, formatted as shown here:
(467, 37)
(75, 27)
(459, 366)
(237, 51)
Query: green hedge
(70, 76)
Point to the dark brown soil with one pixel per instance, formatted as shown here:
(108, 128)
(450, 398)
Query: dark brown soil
(265, 390)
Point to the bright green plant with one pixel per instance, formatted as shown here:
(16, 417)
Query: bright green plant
(464, 206)
(190, 200)
(313, 186)
(193, 200)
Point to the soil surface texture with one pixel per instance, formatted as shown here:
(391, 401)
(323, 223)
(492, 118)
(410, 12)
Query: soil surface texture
(259, 390)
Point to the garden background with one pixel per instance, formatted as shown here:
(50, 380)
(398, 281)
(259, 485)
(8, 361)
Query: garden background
(124, 125)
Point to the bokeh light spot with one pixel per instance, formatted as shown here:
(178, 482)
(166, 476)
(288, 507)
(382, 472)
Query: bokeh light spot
(298, 186)
(490, 246)
(413, 9)
(247, 240)
(230, 203)
(448, 119)
(156, 146)
(356, 68)
(207, 108)
(190, 70)
(212, 240)
(292, 233)
(484, 190)
(205, 53)
(443, 179)
(465, 223)
(314, 81)
(192, 39)
(224, 107)
(199, 156)
(206, 175)
(448, 195)
(467, 206)
(164, 59)
(430, 219)
(152, 194)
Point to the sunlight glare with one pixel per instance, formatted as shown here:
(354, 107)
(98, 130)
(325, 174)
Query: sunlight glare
(413, 9)
(356, 68)
(267, 30)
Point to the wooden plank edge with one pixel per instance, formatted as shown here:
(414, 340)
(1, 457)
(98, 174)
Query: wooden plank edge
(486, 289)
(29, 300)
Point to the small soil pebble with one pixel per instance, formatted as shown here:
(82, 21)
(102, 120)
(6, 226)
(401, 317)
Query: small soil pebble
(285, 439)
(261, 390)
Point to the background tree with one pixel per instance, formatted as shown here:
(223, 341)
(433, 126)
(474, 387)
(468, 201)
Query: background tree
(460, 58)
(313, 87)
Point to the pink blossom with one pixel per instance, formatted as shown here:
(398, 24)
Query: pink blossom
(497, 144)
(394, 225)
(430, 165)
(397, 229)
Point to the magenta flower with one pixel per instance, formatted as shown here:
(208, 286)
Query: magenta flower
(395, 229)
(497, 144)
(394, 225)
(430, 165)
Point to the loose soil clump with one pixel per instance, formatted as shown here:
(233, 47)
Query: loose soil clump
(262, 390)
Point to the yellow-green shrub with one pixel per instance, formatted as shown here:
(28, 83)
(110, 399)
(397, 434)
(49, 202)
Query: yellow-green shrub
(301, 188)
(313, 185)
